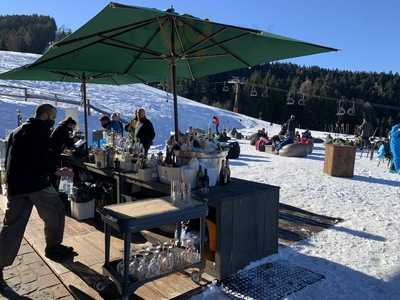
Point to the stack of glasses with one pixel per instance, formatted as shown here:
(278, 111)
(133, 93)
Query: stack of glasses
(181, 192)
(161, 259)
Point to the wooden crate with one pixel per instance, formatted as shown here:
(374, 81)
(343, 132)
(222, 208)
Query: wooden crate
(246, 224)
(339, 160)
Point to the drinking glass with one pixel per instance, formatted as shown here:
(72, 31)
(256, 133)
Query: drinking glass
(170, 262)
(187, 192)
(120, 267)
(193, 254)
(133, 265)
(141, 272)
(175, 188)
(154, 266)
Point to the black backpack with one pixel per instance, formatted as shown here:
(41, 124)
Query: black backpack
(234, 151)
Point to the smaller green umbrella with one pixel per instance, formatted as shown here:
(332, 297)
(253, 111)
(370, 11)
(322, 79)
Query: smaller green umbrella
(129, 44)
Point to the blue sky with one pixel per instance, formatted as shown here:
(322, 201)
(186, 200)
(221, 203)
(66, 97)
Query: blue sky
(366, 31)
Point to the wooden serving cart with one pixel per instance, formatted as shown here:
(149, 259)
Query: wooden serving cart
(129, 218)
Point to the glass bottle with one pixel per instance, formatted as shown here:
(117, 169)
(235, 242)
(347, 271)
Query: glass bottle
(228, 172)
(206, 182)
(222, 174)
(199, 178)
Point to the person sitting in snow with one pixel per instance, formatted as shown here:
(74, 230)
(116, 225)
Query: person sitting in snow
(263, 133)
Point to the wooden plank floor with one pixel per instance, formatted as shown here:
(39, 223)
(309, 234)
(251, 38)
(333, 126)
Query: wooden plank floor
(83, 273)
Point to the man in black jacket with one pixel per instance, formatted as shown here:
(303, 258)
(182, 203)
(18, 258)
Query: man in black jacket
(29, 163)
(60, 139)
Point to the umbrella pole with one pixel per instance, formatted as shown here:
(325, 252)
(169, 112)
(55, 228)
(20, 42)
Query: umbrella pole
(173, 75)
(85, 111)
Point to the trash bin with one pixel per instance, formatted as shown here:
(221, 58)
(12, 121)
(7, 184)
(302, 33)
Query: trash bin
(82, 204)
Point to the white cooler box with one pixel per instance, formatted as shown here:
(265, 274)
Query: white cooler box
(83, 210)
(188, 173)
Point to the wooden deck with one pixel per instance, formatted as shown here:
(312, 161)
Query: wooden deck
(83, 274)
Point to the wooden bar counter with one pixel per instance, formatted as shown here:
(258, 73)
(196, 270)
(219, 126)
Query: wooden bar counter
(245, 214)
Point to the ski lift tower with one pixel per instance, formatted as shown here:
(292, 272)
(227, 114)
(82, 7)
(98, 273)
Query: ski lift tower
(236, 83)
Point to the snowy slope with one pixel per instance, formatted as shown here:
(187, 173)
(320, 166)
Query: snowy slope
(124, 99)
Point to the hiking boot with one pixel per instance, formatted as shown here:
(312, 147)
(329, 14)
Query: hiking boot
(3, 285)
(60, 253)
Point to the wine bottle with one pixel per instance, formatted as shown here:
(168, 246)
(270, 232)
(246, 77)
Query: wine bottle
(222, 174)
(206, 182)
(228, 172)
(199, 178)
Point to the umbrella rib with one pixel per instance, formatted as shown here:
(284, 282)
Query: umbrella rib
(114, 80)
(61, 43)
(65, 74)
(87, 45)
(205, 39)
(206, 56)
(219, 43)
(132, 48)
(132, 64)
(183, 49)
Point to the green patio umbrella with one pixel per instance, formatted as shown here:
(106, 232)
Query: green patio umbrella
(128, 44)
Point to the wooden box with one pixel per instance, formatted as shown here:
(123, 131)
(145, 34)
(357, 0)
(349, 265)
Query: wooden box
(245, 228)
(339, 160)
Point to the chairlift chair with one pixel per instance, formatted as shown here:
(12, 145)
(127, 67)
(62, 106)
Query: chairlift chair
(289, 100)
(352, 110)
(225, 88)
(253, 92)
(341, 110)
(302, 101)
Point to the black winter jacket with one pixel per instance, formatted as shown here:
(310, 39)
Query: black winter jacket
(60, 139)
(29, 160)
(146, 134)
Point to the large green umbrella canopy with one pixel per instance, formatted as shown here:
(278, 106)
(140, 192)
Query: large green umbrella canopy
(127, 44)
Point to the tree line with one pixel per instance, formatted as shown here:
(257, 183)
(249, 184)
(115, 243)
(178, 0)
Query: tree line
(29, 33)
(320, 98)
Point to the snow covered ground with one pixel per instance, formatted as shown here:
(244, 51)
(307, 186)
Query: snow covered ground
(359, 257)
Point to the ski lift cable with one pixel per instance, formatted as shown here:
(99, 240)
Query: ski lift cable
(272, 88)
